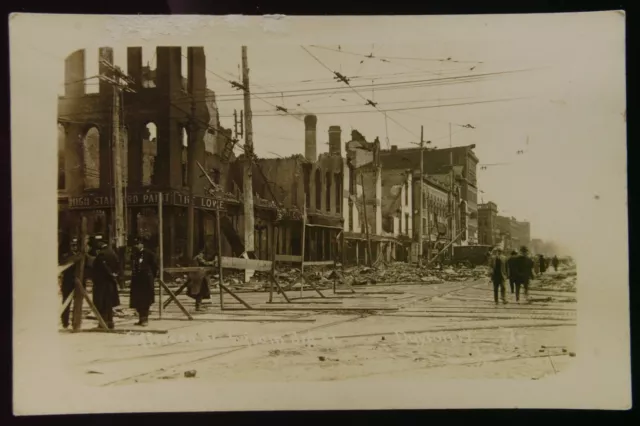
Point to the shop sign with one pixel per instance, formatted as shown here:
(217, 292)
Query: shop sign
(105, 201)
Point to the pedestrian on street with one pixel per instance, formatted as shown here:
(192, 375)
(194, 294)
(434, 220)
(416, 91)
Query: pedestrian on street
(510, 269)
(498, 273)
(536, 265)
(105, 283)
(144, 269)
(198, 287)
(523, 267)
(555, 262)
(66, 250)
(543, 264)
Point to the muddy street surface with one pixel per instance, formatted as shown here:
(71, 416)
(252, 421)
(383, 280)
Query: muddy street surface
(401, 330)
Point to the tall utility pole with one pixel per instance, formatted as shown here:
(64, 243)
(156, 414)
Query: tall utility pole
(366, 223)
(120, 82)
(191, 151)
(451, 210)
(421, 196)
(248, 164)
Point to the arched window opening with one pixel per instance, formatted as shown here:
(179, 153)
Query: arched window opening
(149, 154)
(318, 190)
(185, 156)
(328, 189)
(91, 158)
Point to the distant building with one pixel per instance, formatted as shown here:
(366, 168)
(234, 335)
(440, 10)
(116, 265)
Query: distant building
(513, 233)
(437, 163)
(488, 231)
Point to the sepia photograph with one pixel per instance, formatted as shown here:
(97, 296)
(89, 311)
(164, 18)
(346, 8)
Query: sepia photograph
(268, 213)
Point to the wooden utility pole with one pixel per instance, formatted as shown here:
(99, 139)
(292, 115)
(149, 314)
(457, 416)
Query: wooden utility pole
(366, 224)
(160, 252)
(248, 164)
(120, 83)
(421, 196)
(79, 276)
(451, 210)
(191, 154)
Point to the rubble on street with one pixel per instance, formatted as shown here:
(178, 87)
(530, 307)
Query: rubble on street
(563, 280)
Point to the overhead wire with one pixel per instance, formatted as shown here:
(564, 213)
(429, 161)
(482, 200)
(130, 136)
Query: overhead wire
(397, 57)
(346, 81)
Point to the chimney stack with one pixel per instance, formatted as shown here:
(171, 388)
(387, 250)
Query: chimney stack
(310, 150)
(335, 140)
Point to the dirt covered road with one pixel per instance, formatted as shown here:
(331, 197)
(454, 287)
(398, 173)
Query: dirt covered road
(443, 330)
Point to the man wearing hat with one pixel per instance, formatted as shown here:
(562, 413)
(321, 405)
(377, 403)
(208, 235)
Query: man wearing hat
(105, 282)
(510, 268)
(498, 273)
(144, 269)
(523, 271)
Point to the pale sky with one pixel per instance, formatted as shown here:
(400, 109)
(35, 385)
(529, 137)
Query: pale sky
(571, 112)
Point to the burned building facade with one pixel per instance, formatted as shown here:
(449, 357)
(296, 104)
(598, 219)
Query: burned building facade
(159, 156)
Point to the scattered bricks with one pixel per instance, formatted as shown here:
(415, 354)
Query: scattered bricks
(190, 374)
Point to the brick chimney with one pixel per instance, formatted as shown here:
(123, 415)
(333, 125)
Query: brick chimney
(310, 150)
(335, 141)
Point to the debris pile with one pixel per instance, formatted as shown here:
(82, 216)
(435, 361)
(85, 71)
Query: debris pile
(562, 280)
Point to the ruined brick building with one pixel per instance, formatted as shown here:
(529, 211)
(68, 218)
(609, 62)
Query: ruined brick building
(158, 155)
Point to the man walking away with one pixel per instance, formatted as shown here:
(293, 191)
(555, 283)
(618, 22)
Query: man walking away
(543, 264)
(498, 271)
(144, 268)
(555, 262)
(105, 283)
(510, 270)
(523, 271)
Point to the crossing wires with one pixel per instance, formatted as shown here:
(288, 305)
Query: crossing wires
(346, 80)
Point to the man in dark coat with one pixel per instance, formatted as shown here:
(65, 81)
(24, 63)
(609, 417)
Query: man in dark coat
(144, 268)
(523, 271)
(543, 264)
(555, 262)
(105, 282)
(510, 268)
(498, 274)
(67, 249)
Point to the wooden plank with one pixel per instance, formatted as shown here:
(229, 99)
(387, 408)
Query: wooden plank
(246, 264)
(288, 258)
(124, 331)
(188, 269)
(176, 294)
(79, 279)
(223, 287)
(320, 263)
(161, 252)
(173, 297)
(317, 308)
(66, 303)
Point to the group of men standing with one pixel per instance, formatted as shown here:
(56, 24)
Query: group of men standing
(518, 269)
(102, 267)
